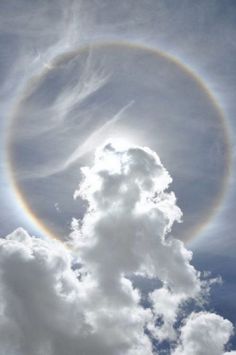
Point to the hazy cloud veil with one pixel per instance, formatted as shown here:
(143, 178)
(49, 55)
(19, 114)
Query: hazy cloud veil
(79, 298)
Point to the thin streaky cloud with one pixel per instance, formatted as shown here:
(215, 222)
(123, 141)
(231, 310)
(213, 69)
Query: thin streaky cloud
(94, 138)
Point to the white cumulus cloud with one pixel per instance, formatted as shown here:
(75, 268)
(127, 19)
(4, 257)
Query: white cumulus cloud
(80, 298)
(204, 334)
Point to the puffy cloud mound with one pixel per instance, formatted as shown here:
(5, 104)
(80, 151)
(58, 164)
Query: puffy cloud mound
(57, 300)
(129, 215)
(204, 334)
(124, 231)
(46, 309)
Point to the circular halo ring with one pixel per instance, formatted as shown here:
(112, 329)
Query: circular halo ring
(37, 78)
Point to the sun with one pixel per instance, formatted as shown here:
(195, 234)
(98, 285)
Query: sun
(120, 143)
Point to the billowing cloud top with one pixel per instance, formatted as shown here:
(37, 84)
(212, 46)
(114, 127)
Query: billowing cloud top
(82, 300)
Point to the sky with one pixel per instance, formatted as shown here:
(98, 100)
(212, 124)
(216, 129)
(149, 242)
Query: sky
(117, 129)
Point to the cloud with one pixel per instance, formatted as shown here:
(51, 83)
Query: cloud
(204, 334)
(73, 92)
(87, 88)
(66, 115)
(79, 298)
(95, 137)
(47, 309)
(166, 306)
(126, 189)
